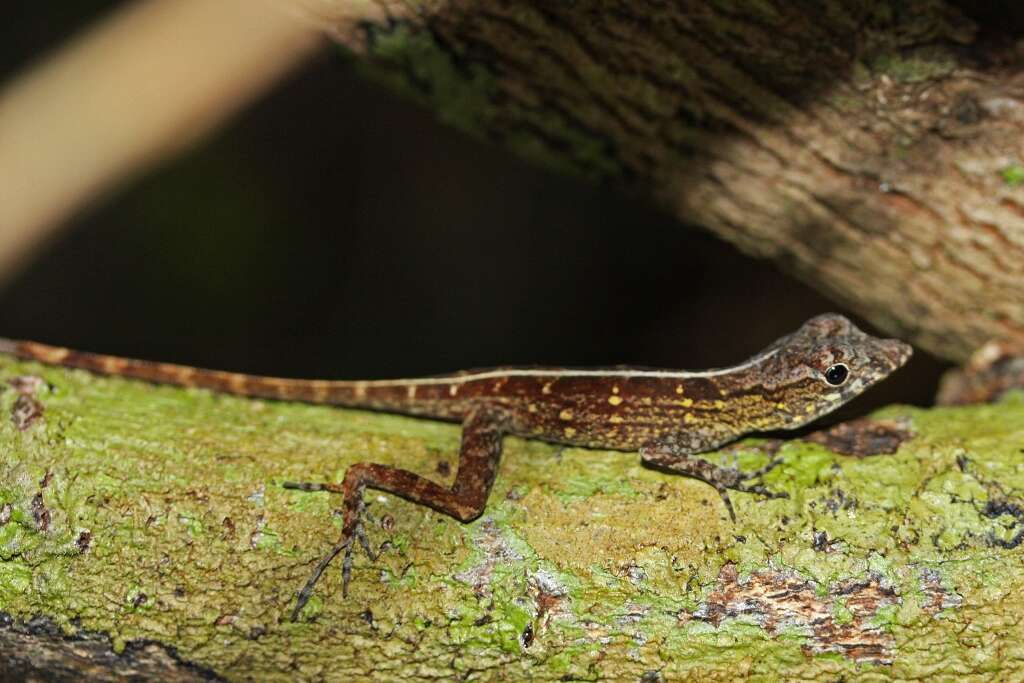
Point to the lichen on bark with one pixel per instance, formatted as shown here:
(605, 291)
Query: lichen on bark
(166, 521)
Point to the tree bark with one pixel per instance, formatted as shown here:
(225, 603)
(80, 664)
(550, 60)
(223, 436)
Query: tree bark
(145, 529)
(875, 150)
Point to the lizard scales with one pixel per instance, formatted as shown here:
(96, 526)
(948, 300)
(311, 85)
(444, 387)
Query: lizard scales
(617, 408)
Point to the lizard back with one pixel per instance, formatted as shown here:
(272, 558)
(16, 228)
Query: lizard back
(784, 386)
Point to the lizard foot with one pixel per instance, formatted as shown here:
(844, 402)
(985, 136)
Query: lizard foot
(353, 531)
(723, 479)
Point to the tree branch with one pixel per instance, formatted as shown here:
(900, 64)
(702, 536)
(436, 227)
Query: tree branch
(874, 149)
(156, 514)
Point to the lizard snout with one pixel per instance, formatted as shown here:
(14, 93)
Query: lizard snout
(897, 352)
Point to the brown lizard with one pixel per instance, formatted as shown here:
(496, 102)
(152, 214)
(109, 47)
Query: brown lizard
(666, 415)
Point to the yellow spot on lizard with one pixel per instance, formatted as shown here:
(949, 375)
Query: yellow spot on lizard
(615, 400)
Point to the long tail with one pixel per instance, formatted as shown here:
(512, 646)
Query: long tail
(392, 396)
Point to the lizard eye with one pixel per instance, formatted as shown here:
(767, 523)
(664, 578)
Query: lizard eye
(837, 374)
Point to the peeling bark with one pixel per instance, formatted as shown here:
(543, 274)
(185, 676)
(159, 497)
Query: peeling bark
(777, 601)
(876, 150)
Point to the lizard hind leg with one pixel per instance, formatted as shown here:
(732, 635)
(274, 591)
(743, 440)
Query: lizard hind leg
(482, 430)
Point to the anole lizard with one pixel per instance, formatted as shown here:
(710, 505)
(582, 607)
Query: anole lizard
(667, 415)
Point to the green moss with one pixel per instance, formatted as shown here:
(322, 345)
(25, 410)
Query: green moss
(411, 62)
(1013, 175)
(916, 65)
(841, 614)
(15, 580)
(193, 526)
(579, 151)
(582, 485)
(608, 563)
(463, 93)
(312, 609)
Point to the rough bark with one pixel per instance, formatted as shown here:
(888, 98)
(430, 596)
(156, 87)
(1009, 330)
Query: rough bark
(39, 650)
(876, 150)
(154, 517)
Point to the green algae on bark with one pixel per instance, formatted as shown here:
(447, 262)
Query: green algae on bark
(465, 93)
(157, 513)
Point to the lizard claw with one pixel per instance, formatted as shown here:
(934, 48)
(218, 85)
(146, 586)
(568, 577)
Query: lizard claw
(771, 465)
(346, 543)
(721, 478)
(740, 481)
(358, 533)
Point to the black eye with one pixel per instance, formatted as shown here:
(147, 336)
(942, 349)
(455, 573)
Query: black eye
(837, 374)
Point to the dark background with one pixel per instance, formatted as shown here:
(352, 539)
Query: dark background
(335, 230)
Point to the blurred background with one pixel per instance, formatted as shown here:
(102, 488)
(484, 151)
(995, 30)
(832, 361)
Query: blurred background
(335, 230)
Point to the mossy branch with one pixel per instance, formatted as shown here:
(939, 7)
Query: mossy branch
(153, 513)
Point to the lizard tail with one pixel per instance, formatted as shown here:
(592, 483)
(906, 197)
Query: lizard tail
(356, 394)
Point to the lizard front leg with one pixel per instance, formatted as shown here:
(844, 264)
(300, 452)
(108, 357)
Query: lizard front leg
(676, 454)
(482, 431)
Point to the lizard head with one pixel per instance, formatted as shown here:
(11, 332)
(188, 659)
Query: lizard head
(824, 364)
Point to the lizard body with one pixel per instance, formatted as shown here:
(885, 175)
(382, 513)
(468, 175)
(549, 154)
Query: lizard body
(668, 415)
